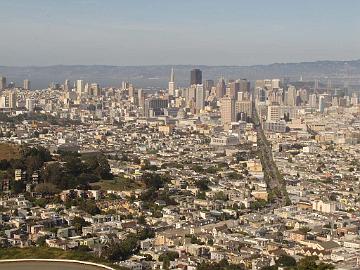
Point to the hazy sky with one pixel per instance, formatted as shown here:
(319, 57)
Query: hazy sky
(142, 32)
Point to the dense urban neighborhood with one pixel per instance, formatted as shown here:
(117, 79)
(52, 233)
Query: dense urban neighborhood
(231, 174)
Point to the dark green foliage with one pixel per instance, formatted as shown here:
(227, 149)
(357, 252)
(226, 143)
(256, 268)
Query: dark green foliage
(79, 223)
(202, 184)
(222, 265)
(153, 180)
(258, 204)
(286, 260)
(86, 205)
(122, 250)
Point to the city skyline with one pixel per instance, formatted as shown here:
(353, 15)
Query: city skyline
(163, 32)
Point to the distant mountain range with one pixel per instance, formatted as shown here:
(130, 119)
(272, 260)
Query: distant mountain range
(158, 76)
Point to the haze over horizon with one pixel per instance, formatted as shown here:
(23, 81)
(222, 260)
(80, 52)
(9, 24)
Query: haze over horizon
(94, 32)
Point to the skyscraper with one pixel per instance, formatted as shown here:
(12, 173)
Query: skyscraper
(8, 100)
(321, 104)
(80, 86)
(234, 89)
(172, 83)
(220, 88)
(291, 96)
(195, 76)
(26, 85)
(208, 84)
(67, 85)
(244, 85)
(30, 104)
(227, 110)
(2, 83)
(200, 97)
(312, 101)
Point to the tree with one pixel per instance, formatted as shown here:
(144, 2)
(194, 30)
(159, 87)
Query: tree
(286, 260)
(309, 263)
(79, 223)
(123, 250)
(41, 241)
(46, 188)
(202, 184)
(52, 173)
(103, 169)
(17, 186)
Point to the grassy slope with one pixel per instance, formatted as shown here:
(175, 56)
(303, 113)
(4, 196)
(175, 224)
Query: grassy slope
(9, 151)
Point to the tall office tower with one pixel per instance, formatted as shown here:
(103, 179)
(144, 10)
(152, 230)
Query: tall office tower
(30, 104)
(12, 100)
(275, 83)
(274, 113)
(80, 87)
(260, 94)
(243, 106)
(94, 90)
(321, 104)
(26, 85)
(303, 94)
(208, 85)
(244, 85)
(234, 89)
(354, 100)
(67, 86)
(227, 110)
(240, 96)
(259, 84)
(200, 98)
(125, 85)
(220, 88)
(195, 76)
(155, 106)
(2, 83)
(141, 98)
(132, 91)
(313, 101)
(329, 85)
(8, 100)
(291, 96)
(316, 84)
(172, 83)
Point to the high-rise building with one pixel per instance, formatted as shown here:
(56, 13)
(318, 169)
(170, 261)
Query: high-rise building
(313, 101)
(80, 87)
(321, 104)
(67, 85)
(208, 84)
(125, 85)
(132, 91)
(227, 110)
(234, 88)
(30, 104)
(243, 106)
(220, 88)
(195, 76)
(8, 100)
(155, 106)
(2, 83)
(244, 85)
(26, 85)
(200, 97)
(291, 96)
(316, 84)
(172, 83)
(275, 83)
(94, 90)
